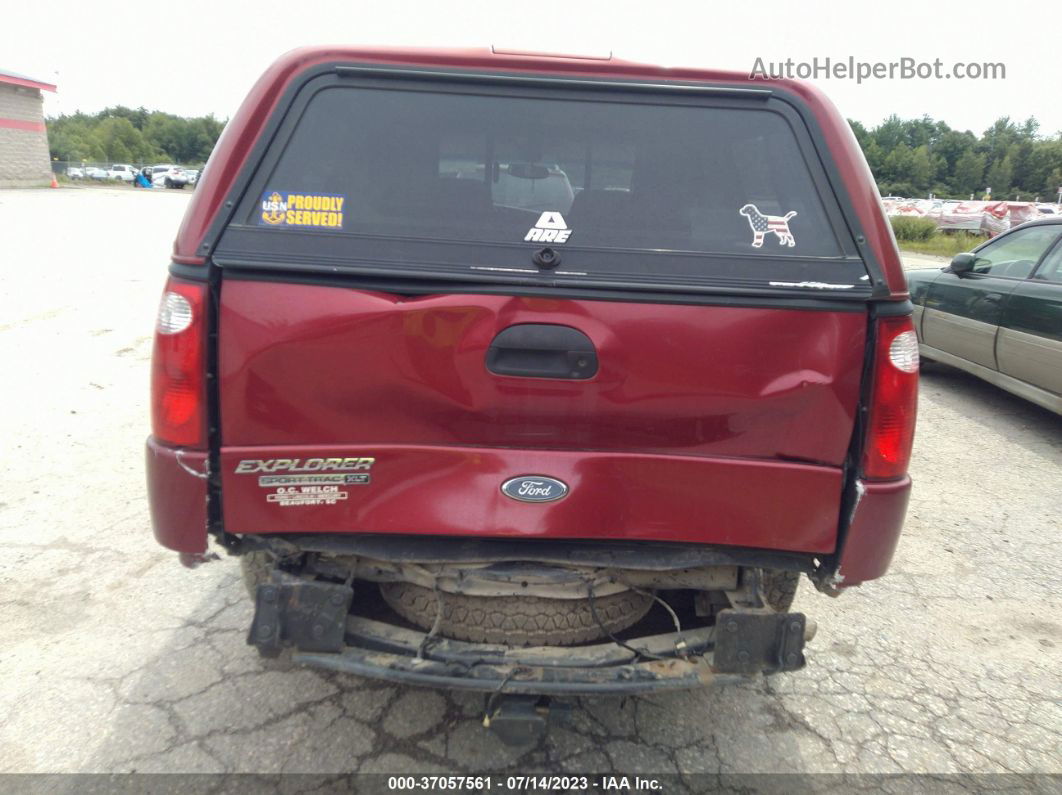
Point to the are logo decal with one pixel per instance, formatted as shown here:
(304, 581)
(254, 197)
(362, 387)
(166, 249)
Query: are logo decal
(315, 210)
(550, 228)
(534, 488)
(763, 225)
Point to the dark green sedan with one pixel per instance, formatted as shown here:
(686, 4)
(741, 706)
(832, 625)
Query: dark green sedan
(997, 312)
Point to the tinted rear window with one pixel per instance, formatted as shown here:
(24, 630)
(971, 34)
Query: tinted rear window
(679, 189)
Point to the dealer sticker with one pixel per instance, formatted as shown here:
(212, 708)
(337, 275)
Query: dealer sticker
(291, 496)
(306, 210)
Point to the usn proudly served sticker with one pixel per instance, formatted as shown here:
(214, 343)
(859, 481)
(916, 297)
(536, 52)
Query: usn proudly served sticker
(762, 225)
(305, 210)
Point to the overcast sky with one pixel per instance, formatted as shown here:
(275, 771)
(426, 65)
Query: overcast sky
(197, 57)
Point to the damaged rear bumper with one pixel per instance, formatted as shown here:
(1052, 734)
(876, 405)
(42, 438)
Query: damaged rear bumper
(653, 675)
(177, 496)
(313, 619)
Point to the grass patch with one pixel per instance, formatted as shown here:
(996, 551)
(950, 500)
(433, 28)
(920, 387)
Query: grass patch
(943, 245)
(921, 236)
(912, 229)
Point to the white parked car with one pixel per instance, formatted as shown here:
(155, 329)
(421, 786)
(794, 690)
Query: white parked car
(92, 172)
(168, 176)
(75, 173)
(121, 171)
(192, 175)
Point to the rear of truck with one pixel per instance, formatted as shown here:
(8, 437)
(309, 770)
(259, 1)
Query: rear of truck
(550, 375)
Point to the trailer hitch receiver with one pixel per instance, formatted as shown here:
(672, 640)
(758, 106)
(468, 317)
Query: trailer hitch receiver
(311, 616)
(750, 641)
(521, 720)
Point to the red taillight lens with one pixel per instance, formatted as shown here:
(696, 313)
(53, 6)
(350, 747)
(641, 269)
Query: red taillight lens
(894, 400)
(178, 366)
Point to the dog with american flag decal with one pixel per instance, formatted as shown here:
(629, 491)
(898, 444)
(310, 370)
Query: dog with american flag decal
(763, 224)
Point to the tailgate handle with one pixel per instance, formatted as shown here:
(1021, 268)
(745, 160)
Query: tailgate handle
(542, 350)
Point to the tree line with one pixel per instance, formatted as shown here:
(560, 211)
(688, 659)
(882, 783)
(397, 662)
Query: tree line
(909, 157)
(128, 135)
(916, 157)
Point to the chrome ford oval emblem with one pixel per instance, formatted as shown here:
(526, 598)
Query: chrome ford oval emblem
(534, 488)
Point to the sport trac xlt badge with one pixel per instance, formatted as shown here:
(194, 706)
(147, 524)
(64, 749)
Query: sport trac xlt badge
(550, 228)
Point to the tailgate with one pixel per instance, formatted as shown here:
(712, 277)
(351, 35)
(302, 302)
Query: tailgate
(351, 411)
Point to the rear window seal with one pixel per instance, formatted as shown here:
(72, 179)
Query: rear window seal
(551, 82)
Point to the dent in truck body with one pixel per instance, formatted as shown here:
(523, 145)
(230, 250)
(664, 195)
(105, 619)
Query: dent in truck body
(177, 497)
(873, 532)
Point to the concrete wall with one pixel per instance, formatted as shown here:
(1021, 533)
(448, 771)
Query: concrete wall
(24, 159)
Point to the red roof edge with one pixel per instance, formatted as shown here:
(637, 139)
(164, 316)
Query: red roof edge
(26, 82)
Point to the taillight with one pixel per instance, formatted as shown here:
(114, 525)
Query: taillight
(178, 372)
(894, 400)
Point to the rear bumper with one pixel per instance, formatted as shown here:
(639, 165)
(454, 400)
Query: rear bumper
(624, 679)
(456, 491)
(873, 532)
(312, 618)
(177, 496)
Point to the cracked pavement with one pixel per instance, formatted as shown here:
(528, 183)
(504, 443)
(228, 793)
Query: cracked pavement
(115, 658)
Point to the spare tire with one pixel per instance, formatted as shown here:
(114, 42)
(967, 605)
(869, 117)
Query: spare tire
(256, 567)
(517, 620)
(779, 588)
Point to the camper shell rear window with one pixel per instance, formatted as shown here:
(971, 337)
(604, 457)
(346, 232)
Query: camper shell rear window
(434, 179)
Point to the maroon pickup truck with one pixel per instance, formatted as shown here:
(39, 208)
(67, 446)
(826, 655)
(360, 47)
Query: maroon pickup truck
(533, 375)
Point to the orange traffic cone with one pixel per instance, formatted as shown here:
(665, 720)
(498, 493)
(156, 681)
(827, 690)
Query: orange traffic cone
(55, 182)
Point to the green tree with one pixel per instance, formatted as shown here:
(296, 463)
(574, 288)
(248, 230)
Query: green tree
(132, 135)
(898, 164)
(890, 133)
(952, 145)
(922, 169)
(121, 141)
(969, 173)
(1001, 176)
(874, 155)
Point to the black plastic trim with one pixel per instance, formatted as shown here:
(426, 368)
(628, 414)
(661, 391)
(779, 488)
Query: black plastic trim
(537, 81)
(215, 518)
(190, 273)
(542, 350)
(893, 308)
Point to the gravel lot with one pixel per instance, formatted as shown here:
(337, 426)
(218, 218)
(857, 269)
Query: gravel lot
(115, 658)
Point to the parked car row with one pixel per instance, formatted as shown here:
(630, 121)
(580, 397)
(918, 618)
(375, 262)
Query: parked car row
(996, 312)
(161, 176)
(989, 218)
